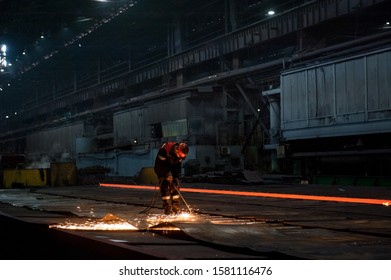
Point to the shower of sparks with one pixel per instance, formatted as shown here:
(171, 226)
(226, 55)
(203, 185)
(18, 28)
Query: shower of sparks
(182, 217)
(166, 222)
(109, 222)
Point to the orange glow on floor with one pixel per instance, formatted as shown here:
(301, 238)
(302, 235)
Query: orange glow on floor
(263, 194)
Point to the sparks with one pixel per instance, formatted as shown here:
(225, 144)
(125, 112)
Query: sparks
(166, 222)
(95, 226)
(182, 217)
(108, 222)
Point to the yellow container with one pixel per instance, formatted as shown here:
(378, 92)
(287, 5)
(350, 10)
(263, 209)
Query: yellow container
(63, 173)
(25, 177)
(147, 176)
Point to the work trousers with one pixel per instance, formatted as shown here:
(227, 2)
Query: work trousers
(170, 197)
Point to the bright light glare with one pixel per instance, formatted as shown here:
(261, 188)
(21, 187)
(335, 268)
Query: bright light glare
(271, 12)
(108, 222)
(164, 222)
(3, 56)
(182, 217)
(111, 222)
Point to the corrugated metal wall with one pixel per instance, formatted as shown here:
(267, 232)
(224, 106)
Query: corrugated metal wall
(136, 123)
(350, 96)
(55, 141)
(379, 85)
(191, 117)
(169, 110)
(130, 125)
(178, 117)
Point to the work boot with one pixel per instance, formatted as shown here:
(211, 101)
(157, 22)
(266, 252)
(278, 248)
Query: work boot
(175, 205)
(176, 210)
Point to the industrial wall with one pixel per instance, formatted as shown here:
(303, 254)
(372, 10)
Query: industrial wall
(139, 130)
(184, 117)
(338, 98)
(137, 123)
(57, 143)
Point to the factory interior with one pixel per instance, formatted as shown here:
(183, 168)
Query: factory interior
(296, 88)
(285, 106)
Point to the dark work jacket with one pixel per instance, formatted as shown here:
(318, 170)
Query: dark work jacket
(167, 162)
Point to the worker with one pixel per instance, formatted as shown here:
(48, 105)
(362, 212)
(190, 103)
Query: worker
(168, 168)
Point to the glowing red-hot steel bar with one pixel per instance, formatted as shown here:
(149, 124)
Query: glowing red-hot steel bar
(263, 194)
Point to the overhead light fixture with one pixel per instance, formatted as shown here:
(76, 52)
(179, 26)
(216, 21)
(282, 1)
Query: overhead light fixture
(271, 13)
(3, 56)
(386, 25)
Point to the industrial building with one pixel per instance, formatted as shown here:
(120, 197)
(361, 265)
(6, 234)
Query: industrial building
(285, 105)
(300, 88)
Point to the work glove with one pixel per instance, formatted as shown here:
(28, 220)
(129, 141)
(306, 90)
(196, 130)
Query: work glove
(169, 177)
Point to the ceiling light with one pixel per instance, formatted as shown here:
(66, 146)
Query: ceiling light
(271, 13)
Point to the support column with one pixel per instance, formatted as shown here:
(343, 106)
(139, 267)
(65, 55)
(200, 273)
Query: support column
(235, 62)
(274, 111)
(174, 37)
(274, 108)
(179, 78)
(230, 16)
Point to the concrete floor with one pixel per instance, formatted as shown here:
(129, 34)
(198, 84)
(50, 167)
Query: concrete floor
(35, 223)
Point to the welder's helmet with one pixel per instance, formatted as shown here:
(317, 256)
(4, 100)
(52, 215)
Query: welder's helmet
(182, 150)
